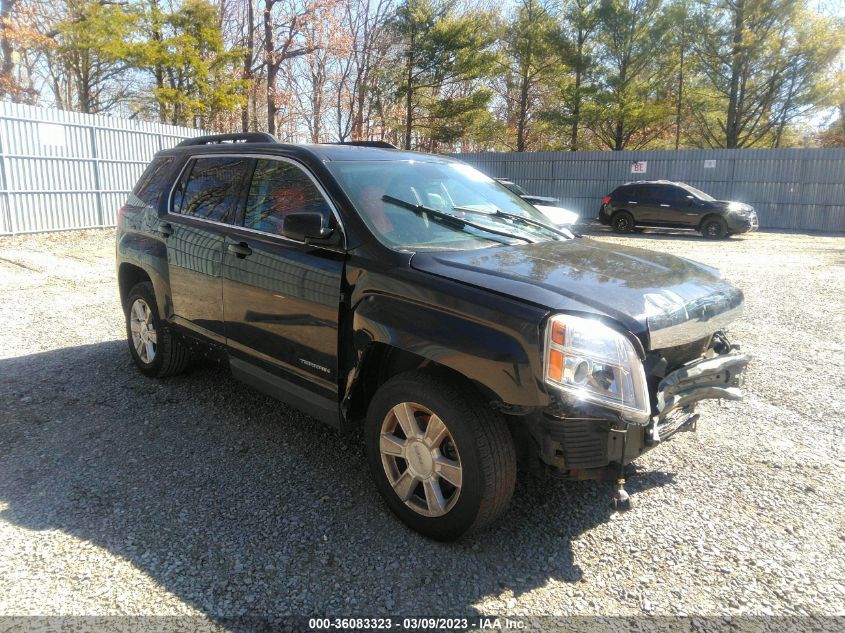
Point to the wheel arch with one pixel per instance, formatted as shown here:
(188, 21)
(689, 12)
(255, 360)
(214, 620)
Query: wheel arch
(709, 216)
(128, 276)
(381, 361)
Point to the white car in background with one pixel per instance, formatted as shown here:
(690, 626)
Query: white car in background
(557, 215)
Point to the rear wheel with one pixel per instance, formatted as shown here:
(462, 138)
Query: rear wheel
(154, 349)
(622, 222)
(443, 460)
(714, 228)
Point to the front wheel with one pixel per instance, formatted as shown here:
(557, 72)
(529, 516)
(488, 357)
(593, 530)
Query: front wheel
(714, 228)
(443, 460)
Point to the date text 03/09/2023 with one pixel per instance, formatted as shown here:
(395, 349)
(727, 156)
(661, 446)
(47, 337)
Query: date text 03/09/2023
(417, 624)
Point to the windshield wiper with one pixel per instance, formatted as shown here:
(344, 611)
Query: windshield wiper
(447, 219)
(498, 213)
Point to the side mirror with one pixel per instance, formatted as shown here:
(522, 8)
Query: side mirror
(306, 226)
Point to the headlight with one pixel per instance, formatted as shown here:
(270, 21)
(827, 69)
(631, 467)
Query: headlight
(589, 361)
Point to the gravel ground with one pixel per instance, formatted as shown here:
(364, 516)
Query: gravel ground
(195, 495)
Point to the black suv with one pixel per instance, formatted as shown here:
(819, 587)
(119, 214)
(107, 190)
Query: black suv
(419, 298)
(674, 205)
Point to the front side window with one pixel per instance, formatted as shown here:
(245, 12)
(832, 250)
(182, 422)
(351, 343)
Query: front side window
(278, 189)
(448, 187)
(212, 189)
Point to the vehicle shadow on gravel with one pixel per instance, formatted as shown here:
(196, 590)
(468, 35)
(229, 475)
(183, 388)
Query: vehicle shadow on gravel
(240, 506)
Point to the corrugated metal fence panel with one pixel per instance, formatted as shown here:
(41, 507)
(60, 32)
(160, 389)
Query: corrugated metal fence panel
(65, 170)
(62, 170)
(791, 188)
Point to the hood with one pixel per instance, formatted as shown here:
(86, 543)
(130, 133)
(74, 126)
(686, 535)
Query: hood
(663, 299)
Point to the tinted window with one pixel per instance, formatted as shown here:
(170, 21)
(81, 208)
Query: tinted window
(279, 188)
(154, 181)
(670, 195)
(212, 188)
(636, 192)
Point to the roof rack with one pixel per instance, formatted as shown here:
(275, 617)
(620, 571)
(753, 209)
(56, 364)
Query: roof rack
(383, 144)
(244, 137)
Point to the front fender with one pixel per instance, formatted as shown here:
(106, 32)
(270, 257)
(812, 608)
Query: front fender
(494, 354)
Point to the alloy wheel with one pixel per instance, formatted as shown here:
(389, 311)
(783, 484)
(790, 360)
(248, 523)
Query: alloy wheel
(420, 459)
(142, 326)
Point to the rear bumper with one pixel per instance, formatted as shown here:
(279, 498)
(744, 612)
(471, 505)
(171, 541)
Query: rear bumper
(584, 446)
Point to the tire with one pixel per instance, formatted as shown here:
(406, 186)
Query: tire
(714, 228)
(478, 441)
(168, 356)
(622, 222)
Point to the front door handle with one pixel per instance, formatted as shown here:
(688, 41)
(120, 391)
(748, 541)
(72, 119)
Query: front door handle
(241, 249)
(665, 205)
(166, 229)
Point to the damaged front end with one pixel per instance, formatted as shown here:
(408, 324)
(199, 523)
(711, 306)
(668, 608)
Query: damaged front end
(582, 440)
(716, 375)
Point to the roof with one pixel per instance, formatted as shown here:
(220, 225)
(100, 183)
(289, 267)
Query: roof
(264, 143)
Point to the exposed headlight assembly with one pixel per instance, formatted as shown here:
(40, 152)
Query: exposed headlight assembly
(588, 361)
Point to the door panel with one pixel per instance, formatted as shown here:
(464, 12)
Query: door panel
(195, 259)
(646, 210)
(281, 306)
(678, 210)
(206, 199)
(281, 298)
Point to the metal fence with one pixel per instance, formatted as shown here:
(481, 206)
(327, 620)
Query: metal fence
(65, 170)
(790, 188)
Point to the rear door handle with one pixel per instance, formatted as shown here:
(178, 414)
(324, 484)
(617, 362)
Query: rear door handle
(632, 202)
(241, 249)
(166, 229)
(666, 205)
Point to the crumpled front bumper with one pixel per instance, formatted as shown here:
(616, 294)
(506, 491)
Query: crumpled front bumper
(717, 377)
(585, 444)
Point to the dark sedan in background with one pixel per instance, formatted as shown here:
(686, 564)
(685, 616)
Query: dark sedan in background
(666, 204)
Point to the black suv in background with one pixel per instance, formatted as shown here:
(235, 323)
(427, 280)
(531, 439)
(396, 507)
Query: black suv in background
(674, 205)
(416, 297)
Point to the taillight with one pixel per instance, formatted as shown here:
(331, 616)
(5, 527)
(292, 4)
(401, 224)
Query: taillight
(606, 200)
(120, 215)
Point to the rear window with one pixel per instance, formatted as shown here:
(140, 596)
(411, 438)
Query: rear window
(211, 190)
(154, 181)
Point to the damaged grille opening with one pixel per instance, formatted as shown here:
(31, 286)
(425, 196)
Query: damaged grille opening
(664, 361)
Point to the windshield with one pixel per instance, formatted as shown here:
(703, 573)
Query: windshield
(453, 188)
(699, 194)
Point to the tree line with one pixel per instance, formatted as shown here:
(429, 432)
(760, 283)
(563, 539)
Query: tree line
(443, 75)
